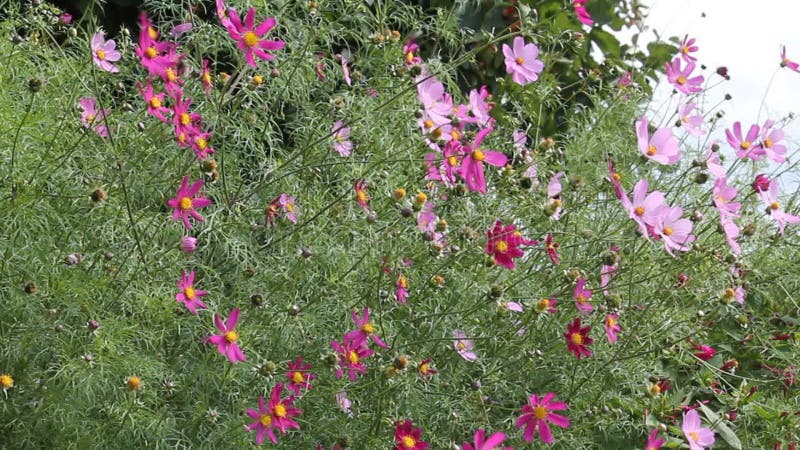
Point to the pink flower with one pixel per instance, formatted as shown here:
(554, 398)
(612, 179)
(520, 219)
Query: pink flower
(609, 271)
(341, 138)
(344, 403)
(692, 123)
(155, 102)
(770, 142)
(522, 61)
(481, 443)
(578, 339)
(186, 123)
(188, 295)
(472, 164)
(408, 437)
(653, 442)
(786, 62)
(283, 202)
(673, 230)
(713, 162)
(155, 56)
(662, 147)
(723, 195)
(345, 70)
(731, 294)
(188, 244)
(104, 53)
(680, 78)
(554, 195)
(249, 37)
(299, 376)
(401, 289)
(552, 249)
(185, 202)
(360, 187)
(770, 199)
(365, 330)
(699, 438)
(226, 340)
(644, 208)
(537, 413)
(614, 177)
(503, 244)
(424, 369)
(206, 77)
(180, 29)
(200, 145)
(761, 183)
(612, 327)
(277, 414)
(410, 57)
(687, 47)
(546, 305)
(704, 352)
(746, 147)
(625, 80)
(581, 295)
(464, 346)
(92, 117)
(581, 13)
(351, 352)
(65, 18)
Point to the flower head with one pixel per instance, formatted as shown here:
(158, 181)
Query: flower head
(699, 438)
(612, 327)
(681, 78)
(482, 443)
(662, 147)
(770, 199)
(537, 415)
(464, 346)
(185, 202)
(401, 289)
(299, 376)
(410, 56)
(503, 244)
(746, 146)
(188, 244)
(92, 117)
(581, 295)
(6, 382)
(277, 414)
(472, 163)
(552, 249)
(188, 295)
(226, 340)
(578, 339)
(692, 123)
(360, 187)
(522, 61)
(581, 13)
(365, 331)
(351, 352)
(341, 138)
(770, 142)
(704, 352)
(687, 48)
(249, 37)
(786, 62)
(104, 52)
(424, 369)
(155, 102)
(653, 442)
(673, 230)
(408, 437)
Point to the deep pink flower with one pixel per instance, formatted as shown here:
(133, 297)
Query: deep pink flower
(745, 146)
(185, 202)
(552, 249)
(614, 177)
(249, 37)
(761, 183)
(187, 124)
(578, 339)
(673, 230)
(401, 289)
(408, 437)
(104, 52)
(65, 18)
(770, 139)
(188, 244)
(482, 443)
(681, 79)
(93, 118)
(472, 164)
(786, 62)
(299, 376)
(188, 295)
(653, 442)
(662, 147)
(360, 187)
(155, 102)
(581, 13)
(365, 330)
(206, 77)
(537, 413)
(351, 352)
(277, 414)
(612, 327)
(410, 57)
(691, 123)
(625, 80)
(699, 438)
(770, 199)
(200, 145)
(424, 369)
(464, 346)
(503, 244)
(687, 47)
(226, 340)
(154, 55)
(450, 165)
(581, 295)
(704, 352)
(522, 61)
(341, 138)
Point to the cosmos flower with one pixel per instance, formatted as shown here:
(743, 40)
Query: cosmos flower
(188, 295)
(699, 437)
(662, 147)
(482, 443)
(226, 340)
(681, 78)
(341, 138)
(653, 442)
(537, 415)
(365, 330)
(299, 376)
(250, 38)
(104, 52)
(578, 339)
(408, 437)
(786, 62)
(276, 414)
(351, 352)
(687, 48)
(464, 346)
(522, 61)
(581, 295)
(92, 117)
(185, 202)
(746, 146)
(503, 244)
(472, 164)
(612, 327)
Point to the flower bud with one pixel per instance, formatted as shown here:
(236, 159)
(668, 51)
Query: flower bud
(92, 325)
(188, 244)
(257, 299)
(761, 183)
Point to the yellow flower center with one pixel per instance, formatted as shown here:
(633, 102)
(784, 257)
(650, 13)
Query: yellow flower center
(639, 211)
(611, 322)
(460, 345)
(201, 143)
(6, 381)
(171, 75)
(428, 123)
(265, 420)
(257, 80)
(452, 161)
(151, 52)
(768, 143)
(207, 77)
(775, 205)
(231, 336)
(152, 32)
(685, 119)
(189, 293)
(668, 231)
(685, 50)
(455, 135)
(186, 119)
(297, 377)
(409, 442)
(745, 145)
(361, 196)
(134, 382)
(353, 357)
(250, 39)
(576, 338)
(420, 198)
(368, 328)
(182, 137)
(616, 176)
(279, 411)
(501, 246)
(289, 207)
(540, 412)
(155, 102)
(557, 202)
(478, 155)
(101, 55)
(437, 133)
(409, 57)
(655, 389)
(519, 60)
(729, 293)
(581, 298)
(424, 368)
(694, 436)
(186, 203)
(681, 80)
(651, 150)
(544, 304)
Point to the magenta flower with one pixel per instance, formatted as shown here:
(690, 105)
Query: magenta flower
(299, 376)
(155, 102)
(704, 352)
(581, 295)
(681, 79)
(226, 340)
(614, 177)
(662, 147)
(464, 346)
(581, 13)
(770, 200)
(410, 57)
(612, 327)
(761, 183)
(537, 413)
(786, 62)
(365, 330)
(188, 295)
(65, 18)
(552, 249)
(401, 289)
(351, 352)
(92, 117)
(653, 442)
(503, 244)
(578, 338)
(360, 187)
(408, 437)
(482, 443)
(185, 202)
(770, 142)
(472, 164)
(249, 37)
(277, 414)
(745, 146)
(200, 145)
(205, 77)
(691, 123)
(104, 52)
(522, 61)
(341, 138)
(687, 47)
(699, 438)
(188, 244)
(155, 56)
(673, 230)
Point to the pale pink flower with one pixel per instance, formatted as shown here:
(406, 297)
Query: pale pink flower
(92, 117)
(581, 295)
(522, 61)
(104, 52)
(770, 199)
(662, 147)
(436, 105)
(691, 123)
(786, 62)
(770, 139)
(713, 163)
(188, 244)
(346, 69)
(341, 138)
(643, 208)
(723, 195)
(226, 340)
(612, 327)
(745, 146)
(699, 438)
(681, 78)
(738, 294)
(464, 346)
(673, 230)
(554, 194)
(687, 48)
